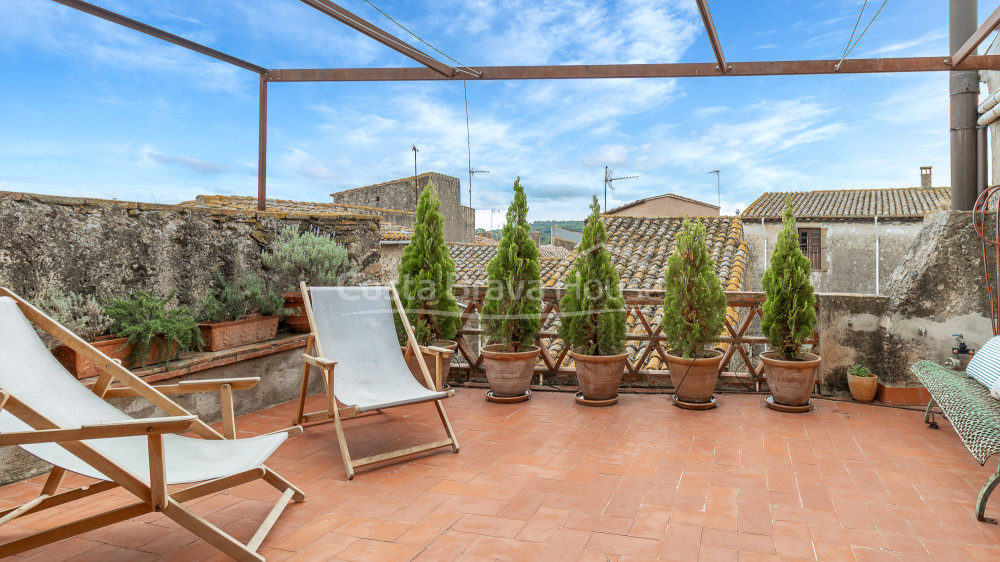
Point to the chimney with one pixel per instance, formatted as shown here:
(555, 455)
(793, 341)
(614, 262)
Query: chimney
(925, 177)
(536, 235)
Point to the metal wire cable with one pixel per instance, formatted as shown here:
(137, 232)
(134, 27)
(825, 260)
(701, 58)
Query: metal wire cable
(866, 28)
(853, 31)
(461, 67)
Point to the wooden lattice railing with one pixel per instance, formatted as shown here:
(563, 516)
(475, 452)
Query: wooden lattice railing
(741, 343)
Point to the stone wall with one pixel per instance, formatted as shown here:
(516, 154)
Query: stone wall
(101, 247)
(459, 220)
(848, 252)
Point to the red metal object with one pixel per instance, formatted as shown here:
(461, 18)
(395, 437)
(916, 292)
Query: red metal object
(713, 36)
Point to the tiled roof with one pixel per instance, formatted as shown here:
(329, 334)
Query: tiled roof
(395, 233)
(902, 203)
(670, 195)
(471, 261)
(553, 252)
(482, 238)
(246, 203)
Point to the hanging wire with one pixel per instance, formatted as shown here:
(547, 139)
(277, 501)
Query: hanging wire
(866, 28)
(461, 67)
(468, 138)
(853, 31)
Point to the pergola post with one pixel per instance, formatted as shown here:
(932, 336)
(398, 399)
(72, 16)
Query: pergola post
(964, 88)
(262, 148)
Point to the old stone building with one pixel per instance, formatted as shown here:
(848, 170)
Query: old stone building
(852, 236)
(402, 194)
(666, 205)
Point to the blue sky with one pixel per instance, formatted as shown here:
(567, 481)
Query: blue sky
(93, 109)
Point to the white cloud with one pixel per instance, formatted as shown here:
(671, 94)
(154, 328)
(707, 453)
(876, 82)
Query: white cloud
(149, 156)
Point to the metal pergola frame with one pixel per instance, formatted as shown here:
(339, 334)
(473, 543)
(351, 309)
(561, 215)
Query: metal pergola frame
(436, 70)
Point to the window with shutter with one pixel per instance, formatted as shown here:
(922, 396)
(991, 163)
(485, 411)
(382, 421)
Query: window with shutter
(811, 246)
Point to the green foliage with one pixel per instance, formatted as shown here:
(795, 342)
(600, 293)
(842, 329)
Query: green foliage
(305, 256)
(789, 311)
(860, 371)
(512, 312)
(250, 294)
(426, 275)
(593, 309)
(143, 319)
(694, 309)
(82, 315)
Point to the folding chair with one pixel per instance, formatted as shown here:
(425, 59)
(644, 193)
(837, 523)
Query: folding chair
(353, 330)
(47, 412)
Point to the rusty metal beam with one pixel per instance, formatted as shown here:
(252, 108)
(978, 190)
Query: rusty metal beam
(262, 147)
(713, 36)
(160, 34)
(679, 70)
(988, 27)
(357, 23)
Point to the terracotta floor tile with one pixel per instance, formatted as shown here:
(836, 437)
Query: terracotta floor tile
(737, 541)
(363, 550)
(681, 543)
(449, 546)
(494, 548)
(602, 523)
(489, 526)
(429, 528)
(375, 529)
(543, 525)
(716, 554)
(623, 545)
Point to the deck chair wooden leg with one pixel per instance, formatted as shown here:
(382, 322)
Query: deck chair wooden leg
(272, 478)
(73, 529)
(210, 533)
(348, 466)
(41, 503)
(53, 481)
(305, 383)
(447, 425)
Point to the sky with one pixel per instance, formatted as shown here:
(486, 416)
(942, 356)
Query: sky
(89, 108)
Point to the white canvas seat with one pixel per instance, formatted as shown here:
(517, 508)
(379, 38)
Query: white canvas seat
(353, 331)
(51, 415)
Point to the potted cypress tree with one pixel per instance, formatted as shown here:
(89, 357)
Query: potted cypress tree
(426, 274)
(694, 311)
(788, 319)
(512, 313)
(593, 316)
(306, 256)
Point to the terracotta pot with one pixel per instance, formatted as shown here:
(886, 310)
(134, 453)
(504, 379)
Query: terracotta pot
(509, 374)
(694, 380)
(599, 375)
(791, 382)
(227, 335)
(863, 389)
(429, 360)
(112, 346)
(297, 322)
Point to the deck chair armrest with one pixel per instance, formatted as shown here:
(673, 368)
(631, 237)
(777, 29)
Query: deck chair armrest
(446, 353)
(142, 426)
(189, 387)
(321, 362)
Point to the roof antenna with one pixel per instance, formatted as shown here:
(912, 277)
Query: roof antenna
(415, 151)
(609, 183)
(468, 140)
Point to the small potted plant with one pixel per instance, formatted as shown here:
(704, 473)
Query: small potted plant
(426, 275)
(862, 382)
(593, 316)
(154, 332)
(694, 310)
(239, 313)
(512, 312)
(84, 316)
(296, 256)
(788, 319)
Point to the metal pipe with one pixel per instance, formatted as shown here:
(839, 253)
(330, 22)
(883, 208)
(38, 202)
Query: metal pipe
(713, 36)
(964, 88)
(262, 148)
(982, 160)
(667, 70)
(989, 102)
(876, 255)
(763, 231)
(977, 37)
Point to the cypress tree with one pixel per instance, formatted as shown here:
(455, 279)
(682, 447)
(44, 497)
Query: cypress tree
(789, 310)
(593, 309)
(426, 274)
(512, 312)
(694, 307)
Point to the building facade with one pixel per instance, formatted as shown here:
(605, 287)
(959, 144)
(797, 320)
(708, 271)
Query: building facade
(667, 205)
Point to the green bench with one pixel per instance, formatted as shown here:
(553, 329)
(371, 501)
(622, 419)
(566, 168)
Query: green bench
(973, 413)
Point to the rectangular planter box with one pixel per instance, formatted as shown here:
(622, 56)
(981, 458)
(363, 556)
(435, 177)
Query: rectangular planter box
(108, 345)
(227, 335)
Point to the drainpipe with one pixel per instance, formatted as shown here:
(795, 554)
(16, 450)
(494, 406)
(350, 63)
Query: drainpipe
(876, 255)
(964, 89)
(763, 231)
(982, 160)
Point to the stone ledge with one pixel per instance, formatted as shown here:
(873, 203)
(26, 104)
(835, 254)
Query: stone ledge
(193, 362)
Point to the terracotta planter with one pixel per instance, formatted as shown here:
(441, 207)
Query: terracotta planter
(429, 360)
(112, 346)
(297, 322)
(509, 374)
(599, 375)
(694, 380)
(791, 382)
(227, 335)
(862, 388)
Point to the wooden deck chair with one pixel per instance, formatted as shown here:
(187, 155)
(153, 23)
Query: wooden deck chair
(47, 412)
(353, 330)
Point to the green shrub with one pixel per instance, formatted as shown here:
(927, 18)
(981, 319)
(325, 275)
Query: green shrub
(250, 294)
(426, 274)
(789, 311)
(694, 308)
(512, 312)
(860, 371)
(593, 309)
(143, 319)
(314, 258)
(82, 315)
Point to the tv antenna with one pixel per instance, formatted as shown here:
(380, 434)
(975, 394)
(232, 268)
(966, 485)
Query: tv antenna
(609, 183)
(471, 171)
(468, 140)
(718, 185)
(415, 196)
